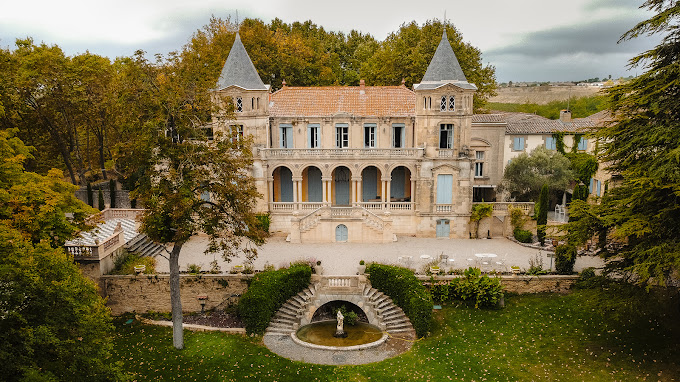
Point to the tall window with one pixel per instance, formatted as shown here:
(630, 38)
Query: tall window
(550, 143)
(369, 135)
(479, 164)
(236, 133)
(239, 104)
(442, 104)
(341, 135)
(313, 135)
(518, 144)
(446, 136)
(398, 135)
(444, 189)
(286, 136)
(452, 103)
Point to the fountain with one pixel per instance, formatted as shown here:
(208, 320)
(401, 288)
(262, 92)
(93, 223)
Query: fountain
(329, 334)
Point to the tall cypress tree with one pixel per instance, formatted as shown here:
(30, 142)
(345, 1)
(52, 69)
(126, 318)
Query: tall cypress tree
(112, 193)
(542, 214)
(90, 195)
(101, 200)
(641, 146)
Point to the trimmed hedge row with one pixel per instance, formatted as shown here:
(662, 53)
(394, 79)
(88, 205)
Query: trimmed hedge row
(406, 291)
(267, 292)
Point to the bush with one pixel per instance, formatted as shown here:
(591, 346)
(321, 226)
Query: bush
(517, 218)
(267, 292)
(523, 236)
(263, 221)
(587, 274)
(439, 292)
(125, 264)
(483, 291)
(406, 291)
(101, 200)
(565, 257)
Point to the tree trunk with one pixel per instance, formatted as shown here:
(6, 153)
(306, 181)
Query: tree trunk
(175, 298)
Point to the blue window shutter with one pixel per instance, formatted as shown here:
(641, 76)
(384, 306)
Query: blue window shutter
(444, 189)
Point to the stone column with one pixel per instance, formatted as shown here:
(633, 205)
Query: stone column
(360, 197)
(325, 182)
(413, 192)
(270, 188)
(388, 186)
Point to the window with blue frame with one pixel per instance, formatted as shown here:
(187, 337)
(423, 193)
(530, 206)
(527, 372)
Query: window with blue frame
(518, 143)
(550, 143)
(583, 144)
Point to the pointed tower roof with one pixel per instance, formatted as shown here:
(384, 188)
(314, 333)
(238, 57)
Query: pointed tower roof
(444, 68)
(239, 70)
(444, 65)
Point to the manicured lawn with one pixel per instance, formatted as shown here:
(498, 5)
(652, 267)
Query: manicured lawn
(544, 337)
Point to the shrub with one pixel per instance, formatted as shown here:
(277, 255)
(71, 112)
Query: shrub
(267, 292)
(565, 257)
(483, 291)
(517, 218)
(263, 221)
(350, 317)
(407, 293)
(439, 292)
(587, 273)
(125, 264)
(193, 268)
(523, 236)
(536, 266)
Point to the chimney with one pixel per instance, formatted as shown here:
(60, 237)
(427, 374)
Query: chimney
(565, 115)
(403, 82)
(283, 84)
(362, 87)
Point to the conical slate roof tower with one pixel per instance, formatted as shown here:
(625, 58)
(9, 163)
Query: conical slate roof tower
(239, 70)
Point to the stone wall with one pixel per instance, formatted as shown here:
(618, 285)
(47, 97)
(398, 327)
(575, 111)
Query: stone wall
(528, 284)
(146, 293)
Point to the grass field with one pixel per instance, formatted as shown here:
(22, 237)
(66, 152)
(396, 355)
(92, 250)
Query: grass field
(575, 337)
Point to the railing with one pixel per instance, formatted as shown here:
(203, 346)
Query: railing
(372, 206)
(310, 206)
(282, 206)
(99, 250)
(341, 211)
(339, 282)
(502, 207)
(445, 153)
(401, 206)
(114, 213)
(343, 153)
(80, 251)
(443, 208)
(373, 220)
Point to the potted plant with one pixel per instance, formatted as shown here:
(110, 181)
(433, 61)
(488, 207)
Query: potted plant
(362, 267)
(237, 268)
(140, 268)
(318, 268)
(515, 269)
(434, 269)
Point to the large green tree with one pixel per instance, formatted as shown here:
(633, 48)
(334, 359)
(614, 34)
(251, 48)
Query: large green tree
(54, 326)
(527, 173)
(190, 184)
(642, 146)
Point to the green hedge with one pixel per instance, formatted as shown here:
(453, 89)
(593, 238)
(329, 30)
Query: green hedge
(523, 236)
(267, 292)
(407, 293)
(482, 291)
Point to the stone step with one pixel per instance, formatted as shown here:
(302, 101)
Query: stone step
(371, 293)
(389, 308)
(277, 332)
(297, 301)
(285, 313)
(405, 326)
(401, 330)
(376, 296)
(396, 320)
(280, 325)
(380, 300)
(393, 315)
(384, 304)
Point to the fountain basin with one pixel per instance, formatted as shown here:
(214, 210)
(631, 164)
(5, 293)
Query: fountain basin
(319, 335)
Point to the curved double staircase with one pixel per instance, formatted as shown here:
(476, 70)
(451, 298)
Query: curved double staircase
(378, 307)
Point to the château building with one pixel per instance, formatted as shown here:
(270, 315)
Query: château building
(367, 163)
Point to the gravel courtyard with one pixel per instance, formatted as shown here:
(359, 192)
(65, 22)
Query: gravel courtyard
(343, 258)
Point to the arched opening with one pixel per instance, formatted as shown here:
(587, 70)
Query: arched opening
(371, 190)
(312, 187)
(326, 312)
(341, 233)
(341, 186)
(400, 187)
(283, 185)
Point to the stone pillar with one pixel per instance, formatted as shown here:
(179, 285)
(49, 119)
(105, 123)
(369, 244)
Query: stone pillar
(388, 198)
(270, 188)
(325, 182)
(413, 192)
(360, 197)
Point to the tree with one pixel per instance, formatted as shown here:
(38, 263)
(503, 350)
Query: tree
(190, 184)
(479, 212)
(641, 146)
(526, 174)
(53, 323)
(101, 204)
(542, 213)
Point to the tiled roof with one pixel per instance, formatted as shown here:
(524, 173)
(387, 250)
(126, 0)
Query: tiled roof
(525, 123)
(377, 101)
(239, 70)
(444, 65)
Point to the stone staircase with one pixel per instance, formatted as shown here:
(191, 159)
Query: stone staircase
(379, 308)
(143, 246)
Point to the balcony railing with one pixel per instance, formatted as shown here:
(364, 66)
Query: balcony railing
(340, 153)
(289, 207)
(501, 208)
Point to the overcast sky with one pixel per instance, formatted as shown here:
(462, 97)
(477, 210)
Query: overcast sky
(526, 40)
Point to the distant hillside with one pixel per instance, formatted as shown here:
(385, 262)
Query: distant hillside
(542, 95)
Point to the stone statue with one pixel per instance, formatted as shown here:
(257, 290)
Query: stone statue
(339, 330)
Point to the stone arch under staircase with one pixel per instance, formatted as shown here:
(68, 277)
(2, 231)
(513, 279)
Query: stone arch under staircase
(379, 308)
